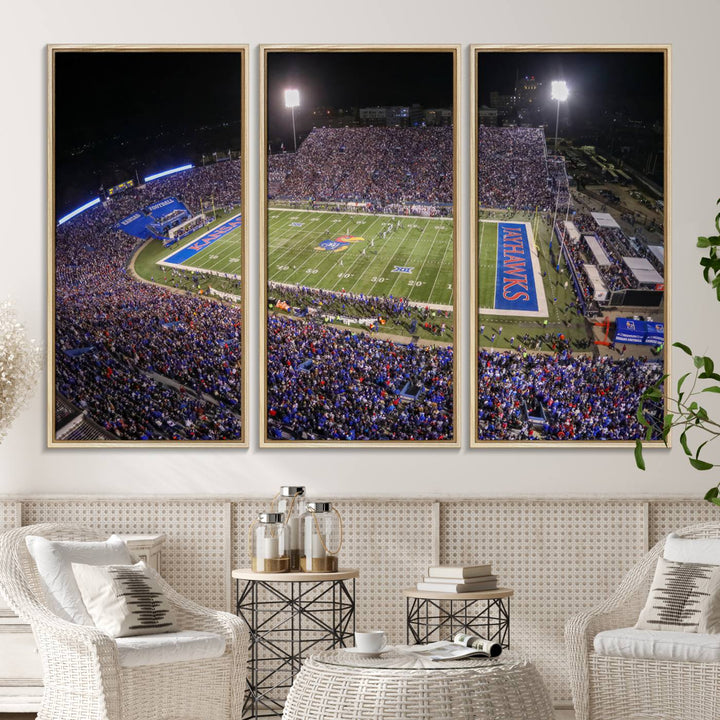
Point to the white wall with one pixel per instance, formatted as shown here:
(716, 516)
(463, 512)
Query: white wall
(26, 466)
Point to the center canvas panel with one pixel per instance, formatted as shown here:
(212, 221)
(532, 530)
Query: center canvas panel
(360, 245)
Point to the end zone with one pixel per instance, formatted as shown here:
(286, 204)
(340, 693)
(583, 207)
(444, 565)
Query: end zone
(176, 258)
(519, 289)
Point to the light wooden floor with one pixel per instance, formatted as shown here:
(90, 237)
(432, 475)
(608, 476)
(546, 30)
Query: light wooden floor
(559, 715)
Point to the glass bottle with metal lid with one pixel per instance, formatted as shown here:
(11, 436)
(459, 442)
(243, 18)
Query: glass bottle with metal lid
(269, 546)
(322, 537)
(291, 501)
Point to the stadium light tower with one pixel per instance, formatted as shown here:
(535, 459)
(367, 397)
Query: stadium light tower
(292, 100)
(559, 92)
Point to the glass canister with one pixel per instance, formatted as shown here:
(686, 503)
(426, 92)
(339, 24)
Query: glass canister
(322, 538)
(291, 502)
(269, 547)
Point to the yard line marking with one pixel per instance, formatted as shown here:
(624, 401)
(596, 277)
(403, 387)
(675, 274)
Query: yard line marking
(442, 262)
(404, 261)
(304, 253)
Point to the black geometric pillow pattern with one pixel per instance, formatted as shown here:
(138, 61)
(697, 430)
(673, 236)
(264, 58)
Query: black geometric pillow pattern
(124, 600)
(684, 597)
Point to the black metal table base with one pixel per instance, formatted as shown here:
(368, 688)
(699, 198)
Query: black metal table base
(287, 620)
(431, 620)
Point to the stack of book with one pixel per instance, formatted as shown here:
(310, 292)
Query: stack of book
(458, 579)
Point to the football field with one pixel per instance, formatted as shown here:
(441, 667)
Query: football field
(216, 251)
(500, 242)
(382, 255)
(510, 279)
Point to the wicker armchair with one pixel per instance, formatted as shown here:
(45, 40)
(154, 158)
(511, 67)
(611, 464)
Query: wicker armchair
(81, 671)
(614, 688)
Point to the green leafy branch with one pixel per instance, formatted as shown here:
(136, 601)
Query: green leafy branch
(685, 410)
(711, 262)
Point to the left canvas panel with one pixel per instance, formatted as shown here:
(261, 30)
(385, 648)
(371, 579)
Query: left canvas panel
(147, 245)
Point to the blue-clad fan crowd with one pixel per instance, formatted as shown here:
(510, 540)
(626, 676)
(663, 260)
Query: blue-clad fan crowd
(144, 362)
(383, 166)
(582, 397)
(325, 383)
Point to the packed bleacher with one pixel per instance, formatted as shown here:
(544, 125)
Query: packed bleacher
(378, 165)
(141, 360)
(515, 172)
(614, 244)
(583, 397)
(326, 383)
(279, 167)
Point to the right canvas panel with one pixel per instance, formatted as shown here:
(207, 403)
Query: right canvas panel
(570, 234)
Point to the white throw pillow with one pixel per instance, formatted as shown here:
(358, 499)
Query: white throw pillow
(54, 559)
(124, 600)
(683, 597)
(692, 550)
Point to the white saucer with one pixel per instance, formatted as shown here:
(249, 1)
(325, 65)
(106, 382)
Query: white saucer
(359, 653)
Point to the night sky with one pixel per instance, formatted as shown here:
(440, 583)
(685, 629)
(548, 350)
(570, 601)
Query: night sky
(121, 112)
(631, 82)
(353, 79)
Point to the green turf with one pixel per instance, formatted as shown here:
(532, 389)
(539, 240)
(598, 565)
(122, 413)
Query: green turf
(423, 244)
(562, 318)
(487, 264)
(229, 248)
(223, 256)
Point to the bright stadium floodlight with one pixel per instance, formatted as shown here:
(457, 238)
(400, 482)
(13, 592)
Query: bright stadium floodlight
(292, 100)
(167, 172)
(558, 91)
(77, 211)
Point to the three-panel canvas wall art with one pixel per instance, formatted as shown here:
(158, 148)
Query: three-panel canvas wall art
(361, 238)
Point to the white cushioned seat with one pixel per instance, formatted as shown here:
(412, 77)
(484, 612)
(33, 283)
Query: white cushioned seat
(658, 645)
(169, 648)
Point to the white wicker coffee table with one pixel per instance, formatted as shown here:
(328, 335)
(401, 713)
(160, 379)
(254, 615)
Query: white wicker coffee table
(339, 685)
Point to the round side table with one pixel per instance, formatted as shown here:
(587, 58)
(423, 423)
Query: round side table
(339, 685)
(290, 615)
(484, 613)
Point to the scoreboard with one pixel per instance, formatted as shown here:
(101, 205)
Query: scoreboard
(121, 187)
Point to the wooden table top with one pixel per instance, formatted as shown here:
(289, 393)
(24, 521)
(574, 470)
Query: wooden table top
(342, 574)
(496, 594)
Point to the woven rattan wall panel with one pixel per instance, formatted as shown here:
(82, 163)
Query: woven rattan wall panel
(559, 557)
(8, 515)
(194, 553)
(390, 542)
(668, 515)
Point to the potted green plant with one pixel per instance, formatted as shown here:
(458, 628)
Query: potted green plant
(684, 410)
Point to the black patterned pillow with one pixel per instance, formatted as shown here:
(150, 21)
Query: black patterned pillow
(684, 597)
(124, 600)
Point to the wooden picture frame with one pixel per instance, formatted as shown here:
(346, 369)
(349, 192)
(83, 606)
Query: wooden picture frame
(524, 390)
(144, 350)
(356, 411)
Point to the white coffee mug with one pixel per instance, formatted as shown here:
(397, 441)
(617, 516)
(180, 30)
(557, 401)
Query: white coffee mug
(372, 641)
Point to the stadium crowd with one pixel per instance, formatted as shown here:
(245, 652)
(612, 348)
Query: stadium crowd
(143, 361)
(616, 275)
(583, 397)
(325, 383)
(513, 169)
(379, 165)
(400, 310)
